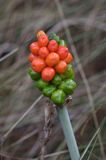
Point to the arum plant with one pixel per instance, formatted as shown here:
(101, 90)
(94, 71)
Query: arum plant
(52, 71)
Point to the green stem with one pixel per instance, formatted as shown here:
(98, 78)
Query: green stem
(68, 132)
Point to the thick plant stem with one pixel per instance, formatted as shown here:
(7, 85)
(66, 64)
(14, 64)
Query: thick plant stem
(68, 132)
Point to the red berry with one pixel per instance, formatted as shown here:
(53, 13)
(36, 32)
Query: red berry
(63, 52)
(38, 64)
(53, 46)
(69, 58)
(48, 74)
(31, 57)
(43, 52)
(34, 48)
(43, 40)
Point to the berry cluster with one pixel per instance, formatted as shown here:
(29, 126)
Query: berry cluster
(50, 66)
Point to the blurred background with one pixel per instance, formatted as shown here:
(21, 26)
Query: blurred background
(24, 131)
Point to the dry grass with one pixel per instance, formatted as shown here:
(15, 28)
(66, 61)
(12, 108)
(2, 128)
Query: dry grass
(83, 24)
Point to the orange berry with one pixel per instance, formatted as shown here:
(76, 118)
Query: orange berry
(48, 73)
(53, 46)
(40, 33)
(69, 58)
(38, 64)
(31, 57)
(52, 59)
(43, 52)
(61, 67)
(34, 48)
(43, 40)
(63, 52)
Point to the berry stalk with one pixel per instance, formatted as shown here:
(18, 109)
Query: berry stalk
(68, 132)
